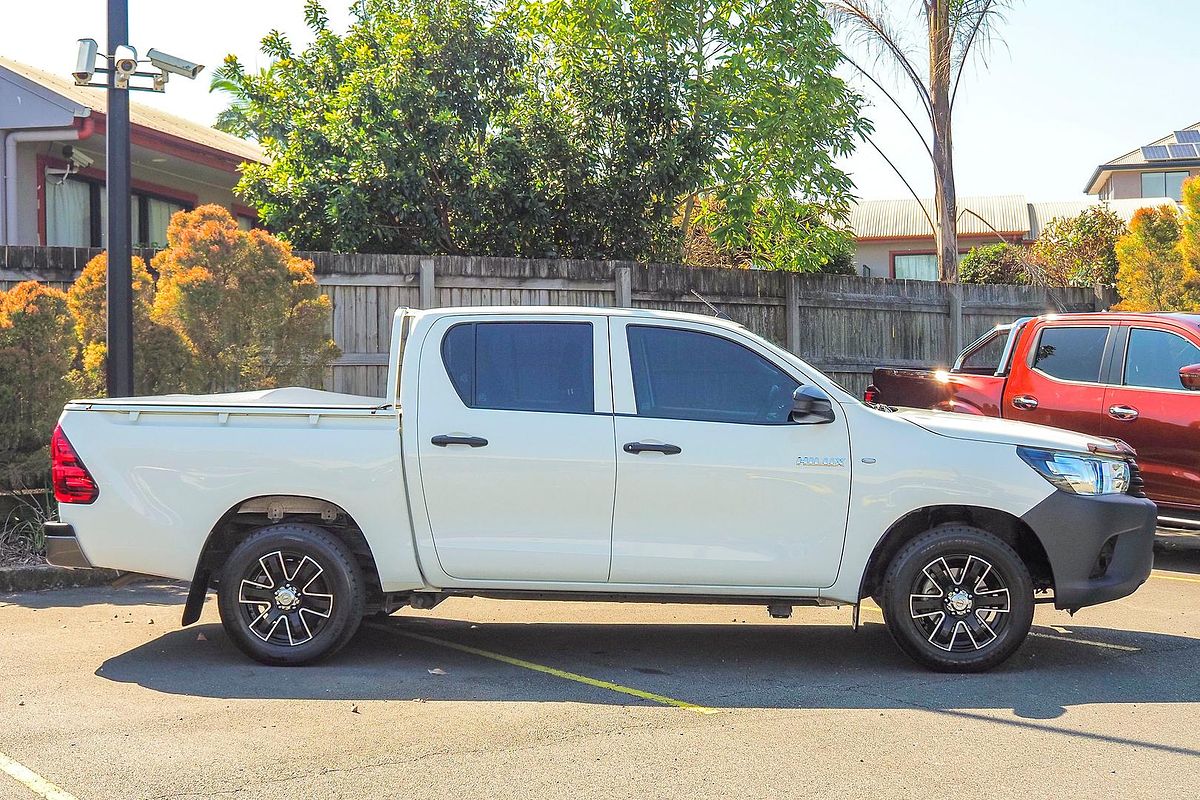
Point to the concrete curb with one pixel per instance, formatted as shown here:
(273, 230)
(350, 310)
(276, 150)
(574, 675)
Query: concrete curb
(38, 577)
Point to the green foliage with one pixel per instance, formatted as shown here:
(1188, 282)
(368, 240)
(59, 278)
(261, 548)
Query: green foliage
(37, 349)
(572, 128)
(1079, 251)
(995, 263)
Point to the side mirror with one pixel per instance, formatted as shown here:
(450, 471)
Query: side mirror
(1189, 376)
(810, 406)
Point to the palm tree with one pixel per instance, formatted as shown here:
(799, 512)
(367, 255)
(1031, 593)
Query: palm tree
(955, 30)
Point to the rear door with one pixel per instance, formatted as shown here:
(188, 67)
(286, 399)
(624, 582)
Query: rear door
(515, 445)
(1148, 407)
(715, 485)
(1058, 376)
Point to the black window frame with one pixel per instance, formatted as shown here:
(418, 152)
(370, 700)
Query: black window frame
(140, 237)
(1106, 353)
(750, 350)
(475, 323)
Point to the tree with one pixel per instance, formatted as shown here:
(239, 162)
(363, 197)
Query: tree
(754, 79)
(37, 349)
(953, 31)
(1151, 274)
(995, 263)
(248, 310)
(162, 361)
(1079, 250)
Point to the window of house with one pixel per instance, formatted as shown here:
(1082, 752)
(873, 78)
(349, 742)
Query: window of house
(77, 214)
(916, 266)
(680, 374)
(1071, 354)
(1164, 184)
(244, 223)
(522, 366)
(1155, 357)
(68, 213)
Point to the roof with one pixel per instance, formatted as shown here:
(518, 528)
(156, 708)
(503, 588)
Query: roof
(1191, 320)
(1136, 159)
(1008, 215)
(82, 101)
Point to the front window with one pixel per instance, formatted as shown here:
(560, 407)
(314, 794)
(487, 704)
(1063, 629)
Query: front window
(1154, 359)
(916, 266)
(681, 374)
(1164, 184)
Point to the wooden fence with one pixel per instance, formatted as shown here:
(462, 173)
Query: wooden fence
(843, 325)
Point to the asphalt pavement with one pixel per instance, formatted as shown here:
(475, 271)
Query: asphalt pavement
(103, 695)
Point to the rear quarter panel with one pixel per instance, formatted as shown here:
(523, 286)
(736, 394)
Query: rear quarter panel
(166, 478)
(940, 390)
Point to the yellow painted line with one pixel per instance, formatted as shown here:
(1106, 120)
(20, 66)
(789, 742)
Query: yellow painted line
(558, 673)
(1122, 647)
(1174, 577)
(32, 781)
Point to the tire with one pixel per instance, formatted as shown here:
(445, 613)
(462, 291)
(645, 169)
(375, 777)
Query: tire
(291, 594)
(957, 599)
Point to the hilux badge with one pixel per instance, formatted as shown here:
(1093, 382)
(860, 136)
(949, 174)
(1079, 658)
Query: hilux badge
(820, 461)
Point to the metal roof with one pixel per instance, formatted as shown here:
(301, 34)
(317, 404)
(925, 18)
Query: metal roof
(82, 99)
(1041, 213)
(897, 219)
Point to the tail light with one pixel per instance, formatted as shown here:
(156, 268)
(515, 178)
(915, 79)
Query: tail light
(871, 395)
(72, 481)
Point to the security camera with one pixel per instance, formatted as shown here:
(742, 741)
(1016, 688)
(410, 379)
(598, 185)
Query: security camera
(80, 159)
(124, 66)
(85, 62)
(170, 63)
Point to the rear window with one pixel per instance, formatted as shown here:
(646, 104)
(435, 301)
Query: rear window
(522, 366)
(1071, 354)
(984, 358)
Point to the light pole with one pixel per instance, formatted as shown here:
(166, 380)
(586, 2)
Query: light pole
(120, 68)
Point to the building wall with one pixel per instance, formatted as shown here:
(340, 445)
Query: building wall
(877, 253)
(1128, 184)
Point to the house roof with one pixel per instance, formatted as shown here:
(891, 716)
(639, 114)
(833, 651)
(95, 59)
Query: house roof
(83, 101)
(1138, 160)
(1012, 216)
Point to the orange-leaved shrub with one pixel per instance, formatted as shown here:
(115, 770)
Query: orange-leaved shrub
(248, 309)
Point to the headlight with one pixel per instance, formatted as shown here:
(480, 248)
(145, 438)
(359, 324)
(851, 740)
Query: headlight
(1078, 474)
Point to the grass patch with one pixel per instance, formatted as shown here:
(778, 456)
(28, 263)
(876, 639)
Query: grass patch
(23, 516)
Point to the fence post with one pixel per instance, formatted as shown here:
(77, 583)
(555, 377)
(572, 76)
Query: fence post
(428, 296)
(792, 302)
(955, 295)
(624, 286)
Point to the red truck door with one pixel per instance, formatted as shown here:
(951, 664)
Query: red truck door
(1147, 406)
(1057, 376)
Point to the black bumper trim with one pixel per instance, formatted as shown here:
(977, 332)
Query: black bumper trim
(1073, 529)
(62, 547)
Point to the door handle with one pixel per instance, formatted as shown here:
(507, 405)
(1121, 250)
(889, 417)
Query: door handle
(1126, 413)
(470, 441)
(1025, 402)
(646, 447)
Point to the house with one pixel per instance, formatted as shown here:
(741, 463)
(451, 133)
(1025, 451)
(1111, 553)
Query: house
(1154, 170)
(894, 238)
(52, 134)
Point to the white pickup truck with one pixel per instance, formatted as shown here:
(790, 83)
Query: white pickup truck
(601, 454)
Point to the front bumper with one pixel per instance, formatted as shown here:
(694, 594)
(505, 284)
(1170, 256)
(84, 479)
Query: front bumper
(62, 547)
(1100, 548)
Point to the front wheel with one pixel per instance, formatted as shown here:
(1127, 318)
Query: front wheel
(291, 594)
(958, 599)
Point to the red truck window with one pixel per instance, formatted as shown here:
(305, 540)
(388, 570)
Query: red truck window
(1155, 357)
(1071, 354)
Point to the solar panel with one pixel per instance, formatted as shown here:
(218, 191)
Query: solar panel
(1182, 150)
(1184, 137)
(1155, 152)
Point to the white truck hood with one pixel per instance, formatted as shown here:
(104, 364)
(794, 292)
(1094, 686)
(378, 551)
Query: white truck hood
(1001, 431)
(284, 397)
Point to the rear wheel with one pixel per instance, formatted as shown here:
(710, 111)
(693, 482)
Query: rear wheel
(958, 599)
(291, 594)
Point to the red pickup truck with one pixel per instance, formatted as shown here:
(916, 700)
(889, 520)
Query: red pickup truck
(1134, 377)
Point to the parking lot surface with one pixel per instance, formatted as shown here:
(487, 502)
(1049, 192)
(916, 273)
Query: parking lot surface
(103, 695)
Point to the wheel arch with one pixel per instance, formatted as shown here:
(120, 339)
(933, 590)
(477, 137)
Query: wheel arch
(1009, 528)
(252, 513)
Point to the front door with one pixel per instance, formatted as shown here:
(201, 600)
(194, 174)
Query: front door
(715, 485)
(1061, 380)
(515, 435)
(1148, 407)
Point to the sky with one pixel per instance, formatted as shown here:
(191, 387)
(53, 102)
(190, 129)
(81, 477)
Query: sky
(1076, 82)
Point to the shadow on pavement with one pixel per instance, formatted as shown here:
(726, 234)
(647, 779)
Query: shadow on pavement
(1178, 560)
(154, 592)
(719, 666)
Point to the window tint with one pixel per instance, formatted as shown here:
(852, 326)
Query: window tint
(1154, 358)
(522, 366)
(1071, 354)
(985, 360)
(680, 374)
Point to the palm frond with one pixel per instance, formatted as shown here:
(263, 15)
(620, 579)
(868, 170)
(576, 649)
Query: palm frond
(973, 24)
(869, 25)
